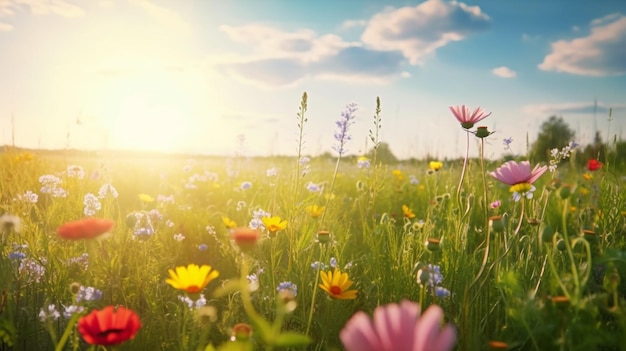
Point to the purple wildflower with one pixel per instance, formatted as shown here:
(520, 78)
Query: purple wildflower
(343, 124)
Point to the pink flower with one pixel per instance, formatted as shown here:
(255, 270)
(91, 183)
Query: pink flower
(519, 177)
(467, 120)
(398, 327)
(513, 173)
(495, 204)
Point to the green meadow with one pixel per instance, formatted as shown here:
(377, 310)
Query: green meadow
(545, 272)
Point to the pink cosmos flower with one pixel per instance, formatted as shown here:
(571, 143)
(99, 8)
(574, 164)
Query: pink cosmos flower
(513, 173)
(519, 177)
(467, 120)
(399, 327)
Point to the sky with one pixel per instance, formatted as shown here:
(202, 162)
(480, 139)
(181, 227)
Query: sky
(226, 77)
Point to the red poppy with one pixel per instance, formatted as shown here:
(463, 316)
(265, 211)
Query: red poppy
(594, 165)
(86, 228)
(246, 238)
(109, 327)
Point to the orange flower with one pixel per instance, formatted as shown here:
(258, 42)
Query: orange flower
(246, 238)
(109, 327)
(497, 345)
(408, 213)
(86, 228)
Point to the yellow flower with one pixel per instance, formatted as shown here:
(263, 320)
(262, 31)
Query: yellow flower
(315, 211)
(23, 157)
(408, 213)
(398, 174)
(435, 165)
(274, 224)
(336, 284)
(191, 279)
(229, 223)
(583, 191)
(145, 198)
(588, 176)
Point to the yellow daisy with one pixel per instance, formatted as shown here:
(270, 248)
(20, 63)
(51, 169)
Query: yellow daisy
(336, 284)
(408, 213)
(145, 198)
(229, 223)
(315, 211)
(435, 165)
(191, 279)
(274, 224)
(398, 174)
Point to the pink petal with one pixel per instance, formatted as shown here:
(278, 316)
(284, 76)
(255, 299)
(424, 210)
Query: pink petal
(446, 339)
(460, 112)
(359, 335)
(427, 329)
(537, 172)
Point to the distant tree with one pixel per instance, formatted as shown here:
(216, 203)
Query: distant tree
(383, 154)
(618, 155)
(595, 150)
(554, 133)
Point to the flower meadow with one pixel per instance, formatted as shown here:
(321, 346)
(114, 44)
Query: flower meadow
(110, 251)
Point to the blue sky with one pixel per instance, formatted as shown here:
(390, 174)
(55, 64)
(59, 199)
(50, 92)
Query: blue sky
(193, 76)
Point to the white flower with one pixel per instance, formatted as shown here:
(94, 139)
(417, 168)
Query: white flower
(107, 189)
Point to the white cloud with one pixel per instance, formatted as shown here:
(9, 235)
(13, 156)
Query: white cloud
(601, 53)
(347, 24)
(9, 8)
(44, 7)
(419, 31)
(282, 59)
(269, 42)
(504, 72)
(587, 108)
(165, 15)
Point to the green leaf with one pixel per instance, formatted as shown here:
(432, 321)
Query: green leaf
(237, 346)
(230, 286)
(292, 339)
(262, 327)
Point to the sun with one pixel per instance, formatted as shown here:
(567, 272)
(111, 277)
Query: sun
(152, 111)
(148, 126)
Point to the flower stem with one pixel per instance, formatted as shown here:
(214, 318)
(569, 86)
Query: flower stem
(66, 334)
(570, 253)
(458, 189)
(317, 280)
(521, 216)
(486, 210)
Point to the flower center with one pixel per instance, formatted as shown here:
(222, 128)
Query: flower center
(110, 331)
(193, 289)
(520, 188)
(335, 290)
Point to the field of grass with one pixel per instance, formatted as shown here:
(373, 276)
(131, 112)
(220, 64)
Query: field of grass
(541, 273)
